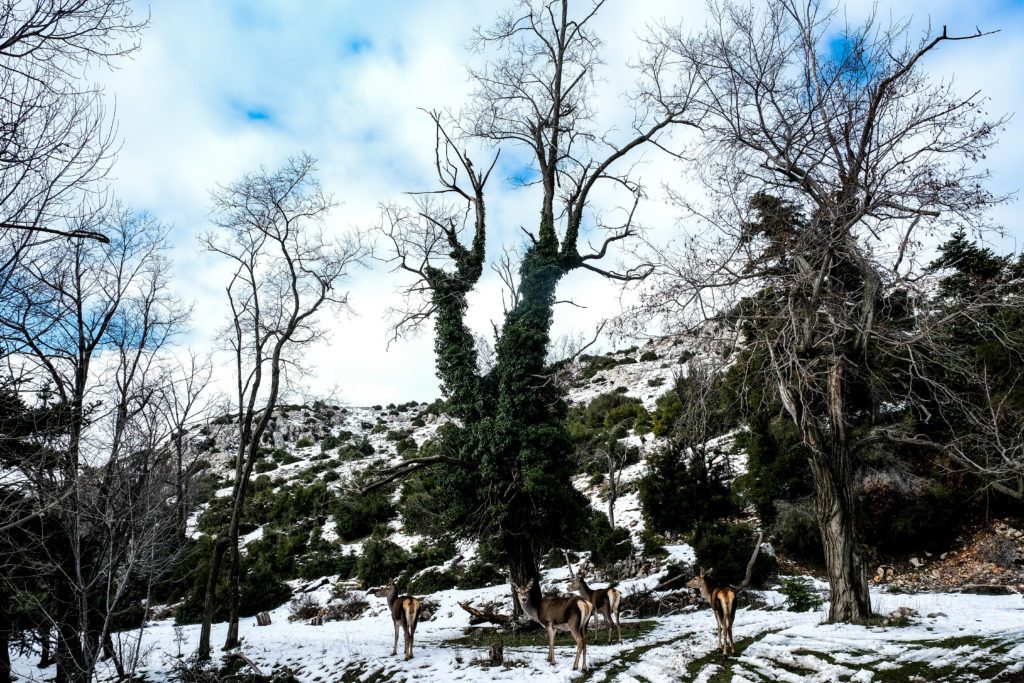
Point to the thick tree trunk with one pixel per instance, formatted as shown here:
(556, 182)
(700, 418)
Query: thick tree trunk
(850, 600)
(522, 564)
(203, 651)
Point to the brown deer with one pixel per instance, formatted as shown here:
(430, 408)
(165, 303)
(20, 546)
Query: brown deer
(557, 614)
(723, 604)
(405, 612)
(604, 600)
(723, 598)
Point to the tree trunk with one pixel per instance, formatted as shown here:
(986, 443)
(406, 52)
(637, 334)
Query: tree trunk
(613, 488)
(203, 652)
(5, 653)
(44, 646)
(850, 600)
(522, 565)
(234, 567)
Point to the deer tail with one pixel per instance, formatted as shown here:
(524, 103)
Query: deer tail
(412, 608)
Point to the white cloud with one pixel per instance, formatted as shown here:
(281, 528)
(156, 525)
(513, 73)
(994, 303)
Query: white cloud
(219, 88)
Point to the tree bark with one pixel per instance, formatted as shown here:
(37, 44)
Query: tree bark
(850, 599)
(203, 651)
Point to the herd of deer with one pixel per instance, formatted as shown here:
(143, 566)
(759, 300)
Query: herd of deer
(570, 614)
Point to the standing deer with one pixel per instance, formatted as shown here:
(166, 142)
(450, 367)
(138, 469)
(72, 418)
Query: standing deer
(557, 614)
(723, 598)
(604, 600)
(723, 604)
(405, 611)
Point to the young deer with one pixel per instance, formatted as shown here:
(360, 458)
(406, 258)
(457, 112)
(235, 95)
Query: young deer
(405, 611)
(557, 614)
(723, 604)
(604, 600)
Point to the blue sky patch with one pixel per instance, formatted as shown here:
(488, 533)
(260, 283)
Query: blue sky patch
(357, 45)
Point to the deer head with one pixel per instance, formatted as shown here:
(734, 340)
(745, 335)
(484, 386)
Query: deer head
(701, 580)
(387, 589)
(523, 592)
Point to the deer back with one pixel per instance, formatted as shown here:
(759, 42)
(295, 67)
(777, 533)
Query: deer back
(404, 608)
(561, 611)
(599, 597)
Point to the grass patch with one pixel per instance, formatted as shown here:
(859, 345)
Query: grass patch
(723, 666)
(487, 636)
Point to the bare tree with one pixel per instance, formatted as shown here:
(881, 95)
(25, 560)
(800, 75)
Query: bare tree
(89, 324)
(56, 139)
(828, 169)
(269, 228)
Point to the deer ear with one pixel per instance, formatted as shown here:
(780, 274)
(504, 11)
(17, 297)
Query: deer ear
(708, 572)
(529, 584)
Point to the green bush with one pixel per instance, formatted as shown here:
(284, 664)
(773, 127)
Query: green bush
(648, 356)
(898, 516)
(304, 442)
(381, 560)
(679, 491)
(607, 545)
(652, 544)
(406, 447)
(433, 580)
(801, 595)
(265, 466)
(432, 553)
(796, 531)
(480, 575)
(259, 589)
(776, 465)
(330, 442)
(398, 434)
(726, 547)
(667, 408)
(355, 516)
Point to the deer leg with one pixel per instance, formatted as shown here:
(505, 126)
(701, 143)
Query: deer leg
(408, 639)
(618, 622)
(583, 637)
(607, 612)
(394, 649)
(551, 643)
(576, 635)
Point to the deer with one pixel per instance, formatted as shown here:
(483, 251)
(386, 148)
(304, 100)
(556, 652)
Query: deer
(723, 599)
(405, 612)
(723, 604)
(604, 600)
(557, 614)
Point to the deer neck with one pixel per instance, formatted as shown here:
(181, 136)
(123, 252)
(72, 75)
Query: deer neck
(585, 591)
(392, 596)
(705, 590)
(532, 606)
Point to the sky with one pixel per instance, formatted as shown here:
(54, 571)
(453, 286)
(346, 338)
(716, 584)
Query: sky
(221, 87)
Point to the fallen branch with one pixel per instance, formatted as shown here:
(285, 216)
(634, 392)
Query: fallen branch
(485, 617)
(246, 660)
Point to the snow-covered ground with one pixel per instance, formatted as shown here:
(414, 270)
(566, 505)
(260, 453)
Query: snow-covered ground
(956, 637)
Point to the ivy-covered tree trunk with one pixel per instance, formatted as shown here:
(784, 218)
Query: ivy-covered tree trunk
(507, 461)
